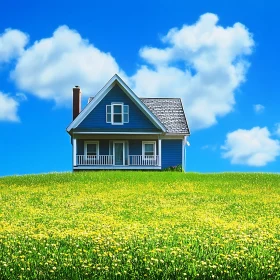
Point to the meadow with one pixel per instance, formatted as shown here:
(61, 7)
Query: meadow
(140, 225)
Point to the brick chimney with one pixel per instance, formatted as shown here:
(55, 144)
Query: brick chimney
(77, 93)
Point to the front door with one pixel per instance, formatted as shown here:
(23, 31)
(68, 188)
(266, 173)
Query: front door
(119, 153)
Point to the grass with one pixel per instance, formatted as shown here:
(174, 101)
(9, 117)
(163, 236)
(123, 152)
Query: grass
(140, 225)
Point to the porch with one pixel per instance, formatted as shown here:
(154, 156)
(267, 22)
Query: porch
(116, 154)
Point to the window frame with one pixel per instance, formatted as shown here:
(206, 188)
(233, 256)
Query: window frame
(154, 150)
(91, 142)
(110, 119)
(112, 113)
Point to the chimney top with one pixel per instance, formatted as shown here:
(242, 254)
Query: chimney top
(77, 87)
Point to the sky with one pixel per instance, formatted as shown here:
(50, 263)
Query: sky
(221, 57)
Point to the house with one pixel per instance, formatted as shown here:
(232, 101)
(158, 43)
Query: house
(119, 130)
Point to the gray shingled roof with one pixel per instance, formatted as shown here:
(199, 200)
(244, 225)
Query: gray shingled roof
(170, 113)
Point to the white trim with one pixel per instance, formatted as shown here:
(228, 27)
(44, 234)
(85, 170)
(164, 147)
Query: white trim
(185, 141)
(102, 93)
(114, 155)
(126, 149)
(91, 142)
(183, 154)
(74, 152)
(112, 113)
(149, 142)
(174, 136)
(117, 167)
(114, 132)
(159, 151)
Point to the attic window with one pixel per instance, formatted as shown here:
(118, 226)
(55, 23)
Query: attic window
(117, 113)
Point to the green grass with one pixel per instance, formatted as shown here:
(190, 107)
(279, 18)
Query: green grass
(140, 225)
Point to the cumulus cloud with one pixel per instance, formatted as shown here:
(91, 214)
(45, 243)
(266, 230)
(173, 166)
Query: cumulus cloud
(12, 43)
(8, 108)
(203, 63)
(52, 66)
(258, 108)
(253, 147)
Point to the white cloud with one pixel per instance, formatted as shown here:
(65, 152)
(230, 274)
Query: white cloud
(12, 43)
(258, 108)
(203, 63)
(8, 108)
(52, 66)
(252, 147)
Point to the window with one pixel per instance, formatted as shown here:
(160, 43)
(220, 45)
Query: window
(148, 149)
(91, 148)
(117, 113)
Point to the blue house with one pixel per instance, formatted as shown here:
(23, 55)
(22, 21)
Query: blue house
(118, 130)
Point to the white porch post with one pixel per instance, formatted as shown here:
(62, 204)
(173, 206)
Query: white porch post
(183, 154)
(184, 146)
(159, 151)
(74, 147)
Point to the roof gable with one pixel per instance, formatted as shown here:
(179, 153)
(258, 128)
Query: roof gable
(96, 119)
(115, 80)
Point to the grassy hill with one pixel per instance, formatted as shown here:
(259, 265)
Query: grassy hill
(140, 225)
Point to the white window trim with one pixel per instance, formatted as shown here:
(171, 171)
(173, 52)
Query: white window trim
(112, 113)
(149, 142)
(91, 142)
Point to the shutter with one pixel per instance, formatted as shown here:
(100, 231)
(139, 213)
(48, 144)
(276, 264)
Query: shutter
(108, 114)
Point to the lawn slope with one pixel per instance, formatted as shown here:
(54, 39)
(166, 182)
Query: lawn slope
(140, 225)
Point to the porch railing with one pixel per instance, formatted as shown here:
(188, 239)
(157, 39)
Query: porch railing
(143, 160)
(109, 160)
(94, 160)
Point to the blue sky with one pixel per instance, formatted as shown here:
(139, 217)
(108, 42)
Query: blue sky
(220, 57)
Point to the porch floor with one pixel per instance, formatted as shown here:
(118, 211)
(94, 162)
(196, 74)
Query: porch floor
(116, 167)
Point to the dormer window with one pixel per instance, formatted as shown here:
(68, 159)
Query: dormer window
(117, 113)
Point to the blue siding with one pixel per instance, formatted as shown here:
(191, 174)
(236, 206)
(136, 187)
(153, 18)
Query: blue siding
(103, 146)
(80, 147)
(135, 147)
(97, 118)
(171, 153)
